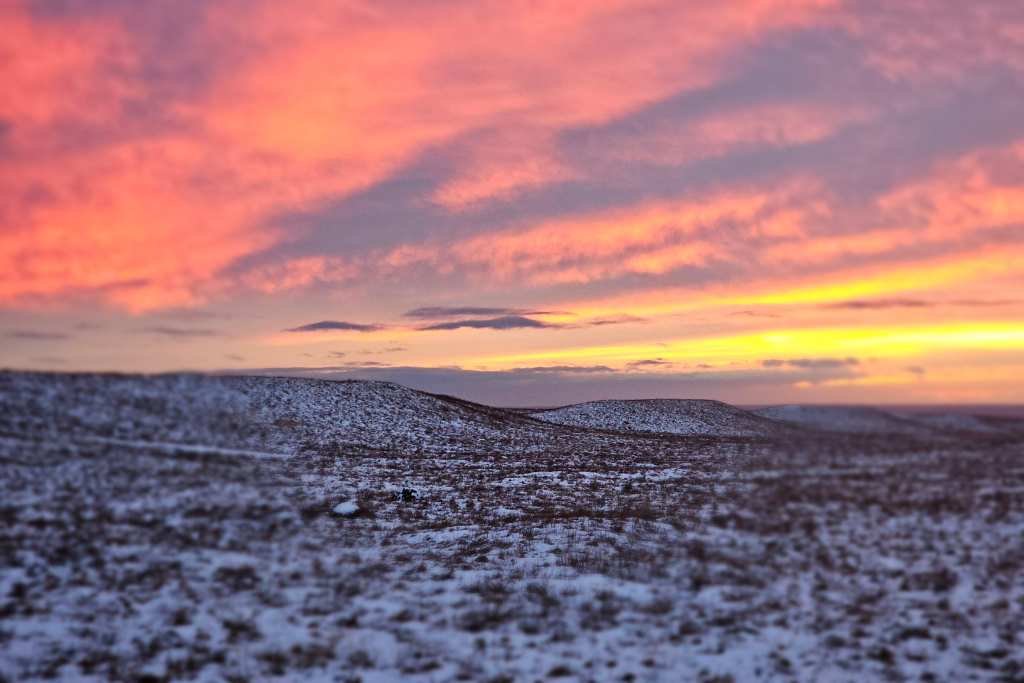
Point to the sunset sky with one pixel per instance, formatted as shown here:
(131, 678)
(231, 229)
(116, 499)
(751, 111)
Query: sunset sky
(523, 203)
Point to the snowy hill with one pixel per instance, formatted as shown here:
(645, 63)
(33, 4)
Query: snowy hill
(846, 419)
(259, 413)
(666, 416)
(284, 416)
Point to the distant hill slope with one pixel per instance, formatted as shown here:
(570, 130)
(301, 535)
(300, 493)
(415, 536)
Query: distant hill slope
(264, 413)
(846, 419)
(968, 423)
(274, 415)
(960, 422)
(667, 416)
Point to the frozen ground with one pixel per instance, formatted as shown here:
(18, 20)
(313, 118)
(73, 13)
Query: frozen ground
(247, 529)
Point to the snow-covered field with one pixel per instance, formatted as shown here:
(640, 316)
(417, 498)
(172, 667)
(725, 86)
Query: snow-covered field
(248, 529)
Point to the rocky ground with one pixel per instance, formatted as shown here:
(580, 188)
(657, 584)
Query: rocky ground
(248, 529)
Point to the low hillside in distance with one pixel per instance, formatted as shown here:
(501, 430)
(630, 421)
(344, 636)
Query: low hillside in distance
(846, 419)
(664, 416)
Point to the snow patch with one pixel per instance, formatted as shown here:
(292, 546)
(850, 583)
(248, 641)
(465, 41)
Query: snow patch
(346, 508)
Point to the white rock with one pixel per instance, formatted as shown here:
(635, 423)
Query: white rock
(346, 508)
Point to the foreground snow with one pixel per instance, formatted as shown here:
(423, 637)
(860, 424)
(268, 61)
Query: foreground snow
(576, 556)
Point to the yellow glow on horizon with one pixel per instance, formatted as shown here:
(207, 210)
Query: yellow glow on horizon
(888, 342)
(891, 282)
(899, 281)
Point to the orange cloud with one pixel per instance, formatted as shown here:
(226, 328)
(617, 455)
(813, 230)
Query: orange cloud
(764, 125)
(317, 108)
(298, 273)
(502, 165)
(963, 197)
(652, 238)
(310, 104)
(51, 70)
(793, 226)
(119, 225)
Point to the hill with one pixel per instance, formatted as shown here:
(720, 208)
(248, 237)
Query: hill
(257, 413)
(970, 424)
(845, 419)
(665, 416)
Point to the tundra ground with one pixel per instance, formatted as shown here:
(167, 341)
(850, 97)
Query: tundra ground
(151, 545)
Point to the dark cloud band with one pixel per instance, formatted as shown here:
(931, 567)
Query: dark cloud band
(326, 325)
(506, 322)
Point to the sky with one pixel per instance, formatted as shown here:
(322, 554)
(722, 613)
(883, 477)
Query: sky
(522, 203)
